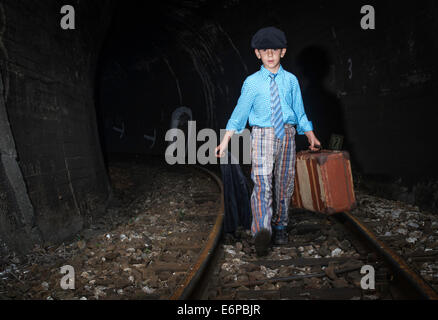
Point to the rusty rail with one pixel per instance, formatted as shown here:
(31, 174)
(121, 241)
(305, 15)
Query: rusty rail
(188, 285)
(415, 281)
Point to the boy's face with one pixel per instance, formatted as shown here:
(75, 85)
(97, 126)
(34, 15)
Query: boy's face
(270, 57)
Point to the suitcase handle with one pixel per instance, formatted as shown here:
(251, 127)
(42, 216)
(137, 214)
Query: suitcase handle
(318, 147)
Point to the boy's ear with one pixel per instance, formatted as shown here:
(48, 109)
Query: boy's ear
(257, 53)
(283, 52)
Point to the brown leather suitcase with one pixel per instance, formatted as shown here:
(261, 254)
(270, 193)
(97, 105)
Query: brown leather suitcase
(324, 182)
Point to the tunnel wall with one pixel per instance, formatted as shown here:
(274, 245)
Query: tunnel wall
(53, 179)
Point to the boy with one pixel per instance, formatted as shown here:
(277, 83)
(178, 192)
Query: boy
(271, 99)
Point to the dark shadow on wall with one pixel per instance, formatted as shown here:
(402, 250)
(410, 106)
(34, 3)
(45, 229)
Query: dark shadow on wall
(100, 111)
(322, 107)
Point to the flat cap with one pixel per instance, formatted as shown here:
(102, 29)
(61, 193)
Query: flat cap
(269, 38)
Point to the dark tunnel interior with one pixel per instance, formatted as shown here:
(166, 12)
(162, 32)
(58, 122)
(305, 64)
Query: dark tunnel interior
(196, 55)
(73, 100)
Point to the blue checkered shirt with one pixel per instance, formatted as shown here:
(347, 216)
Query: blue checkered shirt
(255, 102)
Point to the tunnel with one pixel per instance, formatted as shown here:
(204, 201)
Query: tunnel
(128, 72)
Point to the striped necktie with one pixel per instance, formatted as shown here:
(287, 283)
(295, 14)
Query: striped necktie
(277, 115)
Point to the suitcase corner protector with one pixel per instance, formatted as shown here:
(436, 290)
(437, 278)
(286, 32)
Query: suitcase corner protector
(347, 155)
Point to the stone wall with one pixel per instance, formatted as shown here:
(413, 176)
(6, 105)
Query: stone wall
(53, 179)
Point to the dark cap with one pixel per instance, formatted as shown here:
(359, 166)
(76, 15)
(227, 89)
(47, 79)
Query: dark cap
(269, 38)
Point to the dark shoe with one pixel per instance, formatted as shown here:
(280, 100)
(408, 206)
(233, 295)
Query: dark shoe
(280, 237)
(262, 242)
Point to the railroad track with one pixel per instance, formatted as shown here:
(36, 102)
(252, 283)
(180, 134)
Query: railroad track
(323, 260)
(152, 243)
(199, 272)
(185, 258)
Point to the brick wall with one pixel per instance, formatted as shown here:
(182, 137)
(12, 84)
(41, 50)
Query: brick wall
(48, 76)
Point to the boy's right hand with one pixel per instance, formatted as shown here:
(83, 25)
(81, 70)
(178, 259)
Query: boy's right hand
(219, 152)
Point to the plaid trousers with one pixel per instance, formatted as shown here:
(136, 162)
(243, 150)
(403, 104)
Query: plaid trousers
(273, 163)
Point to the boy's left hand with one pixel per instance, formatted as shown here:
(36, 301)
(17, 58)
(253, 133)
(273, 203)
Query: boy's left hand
(313, 141)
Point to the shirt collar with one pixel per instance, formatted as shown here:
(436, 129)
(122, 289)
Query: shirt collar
(265, 72)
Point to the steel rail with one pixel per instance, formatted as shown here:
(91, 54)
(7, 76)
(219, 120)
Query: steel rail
(395, 261)
(190, 282)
